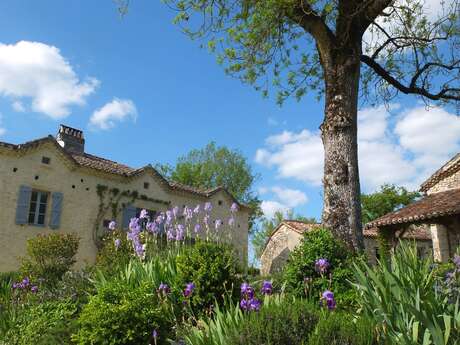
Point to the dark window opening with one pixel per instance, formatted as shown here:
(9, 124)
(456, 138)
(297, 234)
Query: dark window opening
(220, 202)
(36, 177)
(146, 185)
(87, 188)
(81, 181)
(73, 186)
(15, 169)
(46, 160)
(37, 209)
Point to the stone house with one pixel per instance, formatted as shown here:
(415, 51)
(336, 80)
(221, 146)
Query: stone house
(52, 184)
(433, 222)
(437, 214)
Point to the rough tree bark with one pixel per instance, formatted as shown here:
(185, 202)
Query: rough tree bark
(342, 206)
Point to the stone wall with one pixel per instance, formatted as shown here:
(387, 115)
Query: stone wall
(81, 202)
(277, 251)
(450, 182)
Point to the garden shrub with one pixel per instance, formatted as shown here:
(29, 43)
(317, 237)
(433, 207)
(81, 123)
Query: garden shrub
(402, 299)
(125, 316)
(48, 323)
(338, 328)
(215, 271)
(49, 257)
(115, 253)
(301, 277)
(283, 322)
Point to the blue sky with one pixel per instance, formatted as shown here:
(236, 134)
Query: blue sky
(144, 93)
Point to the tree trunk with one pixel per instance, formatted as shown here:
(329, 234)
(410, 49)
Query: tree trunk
(342, 206)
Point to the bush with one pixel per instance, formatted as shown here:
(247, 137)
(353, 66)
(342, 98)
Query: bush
(316, 244)
(214, 270)
(283, 322)
(340, 329)
(110, 257)
(125, 316)
(49, 257)
(400, 297)
(49, 323)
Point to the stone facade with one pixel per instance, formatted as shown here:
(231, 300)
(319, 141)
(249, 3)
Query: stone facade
(448, 183)
(48, 168)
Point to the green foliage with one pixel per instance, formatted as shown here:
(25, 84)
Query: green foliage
(48, 323)
(316, 244)
(401, 300)
(214, 269)
(281, 321)
(214, 166)
(126, 316)
(110, 258)
(215, 330)
(267, 226)
(341, 329)
(49, 256)
(388, 199)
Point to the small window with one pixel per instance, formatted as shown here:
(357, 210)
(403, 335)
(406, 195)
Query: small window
(38, 205)
(146, 185)
(220, 202)
(46, 160)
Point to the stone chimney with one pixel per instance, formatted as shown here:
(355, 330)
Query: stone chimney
(71, 139)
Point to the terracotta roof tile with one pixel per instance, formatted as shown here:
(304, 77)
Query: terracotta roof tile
(451, 167)
(430, 207)
(102, 164)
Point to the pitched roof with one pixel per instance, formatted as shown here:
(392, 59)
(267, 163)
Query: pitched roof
(430, 207)
(446, 170)
(298, 225)
(112, 167)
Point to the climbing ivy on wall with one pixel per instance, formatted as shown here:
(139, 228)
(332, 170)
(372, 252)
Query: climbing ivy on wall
(110, 199)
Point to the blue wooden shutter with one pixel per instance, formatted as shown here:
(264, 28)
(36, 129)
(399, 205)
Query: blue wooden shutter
(56, 209)
(22, 207)
(128, 212)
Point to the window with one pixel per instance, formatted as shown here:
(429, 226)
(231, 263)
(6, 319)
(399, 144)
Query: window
(37, 210)
(220, 202)
(46, 160)
(146, 185)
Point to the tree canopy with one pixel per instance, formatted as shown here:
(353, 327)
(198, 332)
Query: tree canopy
(388, 199)
(214, 166)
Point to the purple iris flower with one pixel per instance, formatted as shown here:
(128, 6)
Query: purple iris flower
(208, 207)
(254, 304)
(231, 221)
(34, 289)
(321, 265)
(25, 282)
(175, 211)
(244, 287)
(170, 234)
(155, 334)
(247, 291)
(16, 286)
(180, 232)
(267, 288)
(164, 289)
(328, 296)
(117, 243)
(206, 219)
(134, 225)
(144, 214)
(197, 209)
(456, 260)
(234, 208)
(218, 223)
(189, 290)
(244, 304)
(197, 228)
(112, 225)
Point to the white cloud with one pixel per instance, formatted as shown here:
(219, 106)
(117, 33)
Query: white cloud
(269, 207)
(290, 197)
(405, 153)
(18, 106)
(297, 155)
(115, 111)
(37, 71)
(2, 129)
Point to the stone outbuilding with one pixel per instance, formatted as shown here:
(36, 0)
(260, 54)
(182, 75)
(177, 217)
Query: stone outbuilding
(53, 185)
(437, 213)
